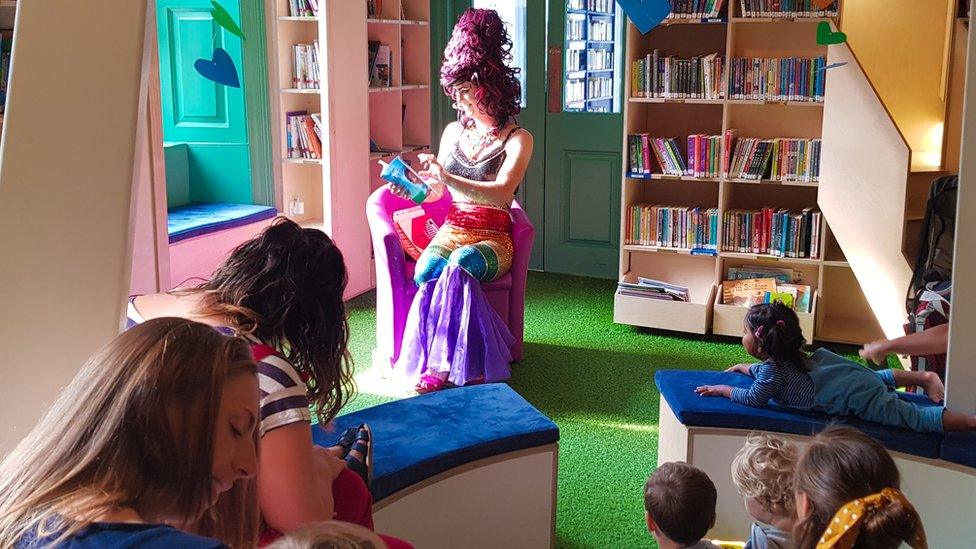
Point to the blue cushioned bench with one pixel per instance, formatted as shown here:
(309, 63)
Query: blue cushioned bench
(201, 218)
(467, 467)
(960, 448)
(678, 388)
(419, 437)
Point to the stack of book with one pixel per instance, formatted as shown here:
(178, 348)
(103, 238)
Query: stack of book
(652, 289)
(671, 77)
(600, 6)
(704, 155)
(599, 60)
(695, 9)
(303, 8)
(770, 231)
(749, 292)
(380, 59)
(749, 285)
(305, 66)
(599, 87)
(787, 8)
(304, 134)
(777, 79)
(672, 227)
(601, 30)
(778, 159)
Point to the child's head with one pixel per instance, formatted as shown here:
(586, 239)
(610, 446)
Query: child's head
(763, 474)
(842, 465)
(331, 534)
(285, 286)
(680, 503)
(162, 420)
(771, 331)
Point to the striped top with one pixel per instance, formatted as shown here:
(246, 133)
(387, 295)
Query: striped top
(283, 395)
(785, 385)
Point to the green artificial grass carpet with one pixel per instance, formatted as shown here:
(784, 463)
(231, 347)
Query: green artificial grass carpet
(595, 379)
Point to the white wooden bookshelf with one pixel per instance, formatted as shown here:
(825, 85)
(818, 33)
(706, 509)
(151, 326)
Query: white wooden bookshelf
(839, 312)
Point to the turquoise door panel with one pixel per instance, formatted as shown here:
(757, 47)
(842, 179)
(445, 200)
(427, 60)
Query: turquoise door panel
(210, 118)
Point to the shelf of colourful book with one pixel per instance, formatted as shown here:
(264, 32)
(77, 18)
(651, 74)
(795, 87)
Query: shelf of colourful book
(781, 19)
(663, 177)
(727, 320)
(696, 101)
(773, 102)
(795, 260)
(772, 182)
(663, 249)
(697, 21)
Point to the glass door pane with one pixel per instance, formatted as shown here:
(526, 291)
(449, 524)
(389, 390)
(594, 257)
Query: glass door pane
(512, 12)
(593, 49)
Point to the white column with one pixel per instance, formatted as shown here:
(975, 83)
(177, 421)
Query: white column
(67, 163)
(961, 369)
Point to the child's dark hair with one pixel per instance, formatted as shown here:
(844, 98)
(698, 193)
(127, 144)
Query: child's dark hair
(841, 465)
(285, 286)
(680, 498)
(777, 331)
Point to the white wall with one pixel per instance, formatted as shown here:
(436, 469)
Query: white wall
(67, 162)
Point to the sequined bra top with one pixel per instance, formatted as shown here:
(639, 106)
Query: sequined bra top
(485, 169)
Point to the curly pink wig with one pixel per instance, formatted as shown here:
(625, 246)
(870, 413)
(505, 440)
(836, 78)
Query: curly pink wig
(478, 52)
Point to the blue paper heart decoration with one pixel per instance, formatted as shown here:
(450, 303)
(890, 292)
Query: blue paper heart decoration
(220, 69)
(646, 14)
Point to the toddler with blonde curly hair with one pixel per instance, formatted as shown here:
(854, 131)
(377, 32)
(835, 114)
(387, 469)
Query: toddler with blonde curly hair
(763, 474)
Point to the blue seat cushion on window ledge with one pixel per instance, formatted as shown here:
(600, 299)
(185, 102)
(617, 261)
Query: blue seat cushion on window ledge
(678, 389)
(200, 218)
(960, 448)
(419, 437)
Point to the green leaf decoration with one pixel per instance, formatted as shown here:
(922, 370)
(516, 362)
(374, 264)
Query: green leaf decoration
(223, 18)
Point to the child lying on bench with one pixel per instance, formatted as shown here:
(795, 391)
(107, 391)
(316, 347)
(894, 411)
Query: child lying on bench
(825, 382)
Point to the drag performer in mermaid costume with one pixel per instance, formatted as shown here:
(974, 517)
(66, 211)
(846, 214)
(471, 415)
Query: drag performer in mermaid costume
(453, 336)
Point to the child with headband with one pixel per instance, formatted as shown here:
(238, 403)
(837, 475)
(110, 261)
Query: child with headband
(825, 382)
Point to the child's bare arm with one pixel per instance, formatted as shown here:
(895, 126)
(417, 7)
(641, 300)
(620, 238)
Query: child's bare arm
(741, 369)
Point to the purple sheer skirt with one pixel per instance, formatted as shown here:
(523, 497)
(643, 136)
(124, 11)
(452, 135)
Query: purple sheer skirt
(452, 329)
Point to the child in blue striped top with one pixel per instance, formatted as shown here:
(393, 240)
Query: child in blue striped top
(825, 382)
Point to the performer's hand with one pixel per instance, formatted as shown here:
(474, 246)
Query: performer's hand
(433, 171)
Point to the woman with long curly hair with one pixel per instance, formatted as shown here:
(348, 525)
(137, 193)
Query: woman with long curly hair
(453, 335)
(282, 290)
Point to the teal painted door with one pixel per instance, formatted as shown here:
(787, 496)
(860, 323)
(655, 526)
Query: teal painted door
(209, 118)
(584, 126)
(526, 22)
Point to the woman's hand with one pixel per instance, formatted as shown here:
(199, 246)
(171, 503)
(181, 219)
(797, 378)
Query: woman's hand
(740, 369)
(875, 352)
(714, 390)
(432, 169)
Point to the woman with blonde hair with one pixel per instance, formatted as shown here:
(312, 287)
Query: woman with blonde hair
(140, 445)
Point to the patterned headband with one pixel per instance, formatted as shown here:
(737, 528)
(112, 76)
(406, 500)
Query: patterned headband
(844, 528)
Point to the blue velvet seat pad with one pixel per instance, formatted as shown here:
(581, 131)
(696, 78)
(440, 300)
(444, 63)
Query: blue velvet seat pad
(200, 218)
(960, 448)
(678, 389)
(419, 437)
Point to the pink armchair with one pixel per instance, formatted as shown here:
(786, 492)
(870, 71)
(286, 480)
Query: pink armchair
(394, 273)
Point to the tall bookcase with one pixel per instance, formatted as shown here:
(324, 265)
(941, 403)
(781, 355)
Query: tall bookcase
(839, 312)
(333, 189)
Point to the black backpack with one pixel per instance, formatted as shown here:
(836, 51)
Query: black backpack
(936, 240)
